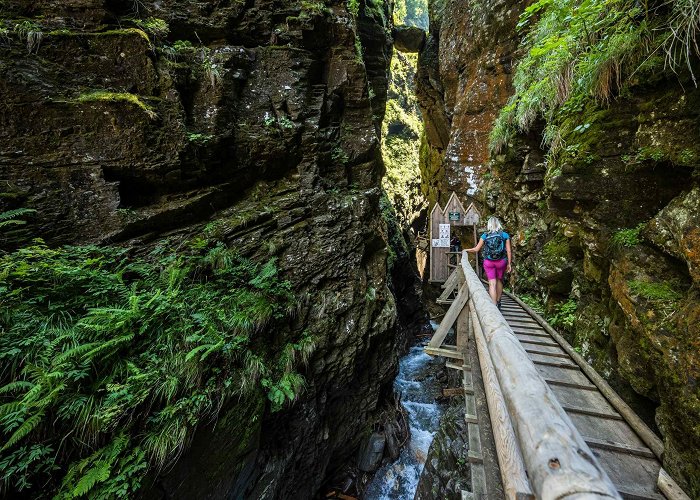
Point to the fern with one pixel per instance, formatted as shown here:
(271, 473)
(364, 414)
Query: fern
(128, 355)
(28, 426)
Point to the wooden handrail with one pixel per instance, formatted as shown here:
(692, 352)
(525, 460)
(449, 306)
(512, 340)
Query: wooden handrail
(559, 462)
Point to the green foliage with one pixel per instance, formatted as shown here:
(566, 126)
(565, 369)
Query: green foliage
(563, 315)
(313, 8)
(662, 293)
(627, 238)
(535, 303)
(10, 217)
(29, 31)
(116, 359)
(411, 13)
(354, 7)
(107, 96)
(199, 139)
(401, 129)
(153, 26)
(582, 51)
(339, 156)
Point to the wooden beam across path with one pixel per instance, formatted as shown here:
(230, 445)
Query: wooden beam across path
(560, 464)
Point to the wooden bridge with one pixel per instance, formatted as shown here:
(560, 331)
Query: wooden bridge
(560, 431)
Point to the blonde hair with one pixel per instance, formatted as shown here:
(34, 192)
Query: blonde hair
(494, 225)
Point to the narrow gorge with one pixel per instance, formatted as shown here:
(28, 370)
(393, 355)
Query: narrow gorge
(214, 230)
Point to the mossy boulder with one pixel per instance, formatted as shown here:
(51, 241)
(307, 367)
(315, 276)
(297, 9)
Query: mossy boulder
(676, 230)
(657, 348)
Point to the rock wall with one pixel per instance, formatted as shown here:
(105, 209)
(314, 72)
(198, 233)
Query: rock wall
(124, 122)
(605, 234)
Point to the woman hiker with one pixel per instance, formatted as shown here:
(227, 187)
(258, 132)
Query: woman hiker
(497, 257)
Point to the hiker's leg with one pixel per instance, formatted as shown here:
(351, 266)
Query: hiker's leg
(499, 290)
(493, 290)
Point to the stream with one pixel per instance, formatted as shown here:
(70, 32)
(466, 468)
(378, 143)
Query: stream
(418, 385)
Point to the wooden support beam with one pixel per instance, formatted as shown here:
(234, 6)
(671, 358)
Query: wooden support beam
(450, 317)
(510, 460)
(446, 351)
(668, 487)
(452, 280)
(560, 464)
(642, 430)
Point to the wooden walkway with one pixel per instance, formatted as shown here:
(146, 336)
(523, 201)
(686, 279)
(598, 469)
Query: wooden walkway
(624, 448)
(631, 465)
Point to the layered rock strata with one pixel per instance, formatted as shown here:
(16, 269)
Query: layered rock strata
(124, 122)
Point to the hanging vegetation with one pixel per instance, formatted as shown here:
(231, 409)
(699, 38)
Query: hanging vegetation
(579, 51)
(109, 363)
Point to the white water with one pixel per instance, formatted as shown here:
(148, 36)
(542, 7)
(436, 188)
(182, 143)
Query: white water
(418, 386)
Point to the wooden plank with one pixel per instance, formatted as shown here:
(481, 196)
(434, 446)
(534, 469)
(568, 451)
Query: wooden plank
(591, 412)
(457, 365)
(510, 461)
(630, 473)
(620, 447)
(564, 383)
(562, 355)
(462, 328)
(668, 487)
(539, 332)
(629, 494)
(559, 462)
(450, 392)
(604, 429)
(555, 364)
(647, 435)
(452, 281)
(450, 317)
(444, 351)
(537, 342)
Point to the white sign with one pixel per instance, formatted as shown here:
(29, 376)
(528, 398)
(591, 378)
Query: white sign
(440, 242)
(445, 232)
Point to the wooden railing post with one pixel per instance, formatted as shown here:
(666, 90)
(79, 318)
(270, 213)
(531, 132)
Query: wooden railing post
(559, 463)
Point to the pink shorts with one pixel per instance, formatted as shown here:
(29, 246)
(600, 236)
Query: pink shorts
(495, 269)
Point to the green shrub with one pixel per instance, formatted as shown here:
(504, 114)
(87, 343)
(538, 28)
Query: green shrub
(627, 238)
(115, 360)
(563, 315)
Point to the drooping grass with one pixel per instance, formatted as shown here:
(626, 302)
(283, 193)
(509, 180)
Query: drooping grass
(109, 362)
(579, 51)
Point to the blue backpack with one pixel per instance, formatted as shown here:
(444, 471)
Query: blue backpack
(494, 246)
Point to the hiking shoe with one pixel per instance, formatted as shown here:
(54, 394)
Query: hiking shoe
(498, 304)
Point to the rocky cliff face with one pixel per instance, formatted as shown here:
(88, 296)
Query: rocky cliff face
(126, 121)
(605, 233)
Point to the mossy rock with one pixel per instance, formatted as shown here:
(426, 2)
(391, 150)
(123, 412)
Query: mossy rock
(657, 347)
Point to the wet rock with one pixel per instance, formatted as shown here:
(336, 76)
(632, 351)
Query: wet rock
(408, 38)
(370, 455)
(446, 471)
(676, 230)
